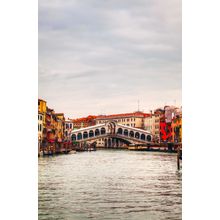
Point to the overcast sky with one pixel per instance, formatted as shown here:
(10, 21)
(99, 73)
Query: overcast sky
(101, 57)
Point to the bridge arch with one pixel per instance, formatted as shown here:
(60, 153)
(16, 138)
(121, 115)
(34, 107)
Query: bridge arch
(137, 135)
(85, 134)
(91, 133)
(120, 131)
(125, 132)
(103, 131)
(97, 132)
(79, 136)
(111, 125)
(73, 137)
(143, 137)
(149, 138)
(131, 134)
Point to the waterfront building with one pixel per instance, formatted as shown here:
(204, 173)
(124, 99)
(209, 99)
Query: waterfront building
(40, 126)
(167, 115)
(177, 126)
(152, 124)
(68, 127)
(42, 109)
(50, 125)
(59, 126)
(42, 106)
(135, 119)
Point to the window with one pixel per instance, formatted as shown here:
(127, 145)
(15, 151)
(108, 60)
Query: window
(70, 126)
(127, 119)
(40, 127)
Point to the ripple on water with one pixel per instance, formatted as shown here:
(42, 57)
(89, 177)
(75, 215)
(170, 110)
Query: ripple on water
(109, 184)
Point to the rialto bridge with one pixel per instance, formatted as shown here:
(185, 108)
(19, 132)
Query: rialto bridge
(113, 134)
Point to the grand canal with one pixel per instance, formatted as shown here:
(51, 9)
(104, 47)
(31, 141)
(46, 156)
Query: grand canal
(110, 184)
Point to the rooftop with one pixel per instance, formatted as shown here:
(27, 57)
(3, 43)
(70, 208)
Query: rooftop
(134, 114)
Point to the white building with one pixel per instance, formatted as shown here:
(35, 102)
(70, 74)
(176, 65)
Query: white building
(68, 128)
(40, 126)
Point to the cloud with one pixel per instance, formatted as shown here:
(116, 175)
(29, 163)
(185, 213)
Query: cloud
(97, 55)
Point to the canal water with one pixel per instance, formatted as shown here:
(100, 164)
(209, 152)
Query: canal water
(110, 184)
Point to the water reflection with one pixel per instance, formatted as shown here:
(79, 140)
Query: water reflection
(110, 184)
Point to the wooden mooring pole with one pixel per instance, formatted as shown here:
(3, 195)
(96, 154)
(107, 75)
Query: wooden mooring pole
(178, 157)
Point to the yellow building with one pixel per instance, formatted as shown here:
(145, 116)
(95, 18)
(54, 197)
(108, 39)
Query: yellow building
(42, 109)
(59, 126)
(177, 129)
(152, 124)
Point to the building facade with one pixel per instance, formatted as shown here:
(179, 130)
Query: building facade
(68, 127)
(135, 119)
(177, 130)
(152, 124)
(40, 126)
(59, 126)
(42, 109)
(168, 127)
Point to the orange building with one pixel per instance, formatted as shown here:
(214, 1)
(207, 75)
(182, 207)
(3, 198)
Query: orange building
(177, 129)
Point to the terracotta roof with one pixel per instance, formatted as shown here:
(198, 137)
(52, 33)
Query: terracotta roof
(85, 119)
(134, 114)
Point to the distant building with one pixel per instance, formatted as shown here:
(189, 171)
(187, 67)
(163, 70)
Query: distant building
(135, 119)
(84, 122)
(59, 126)
(177, 126)
(167, 115)
(40, 126)
(68, 127)
(42, 109)
(152, 124)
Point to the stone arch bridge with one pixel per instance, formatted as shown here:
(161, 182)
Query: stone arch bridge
(112, 132)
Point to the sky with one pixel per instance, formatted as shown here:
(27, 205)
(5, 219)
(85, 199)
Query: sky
(101, 57)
